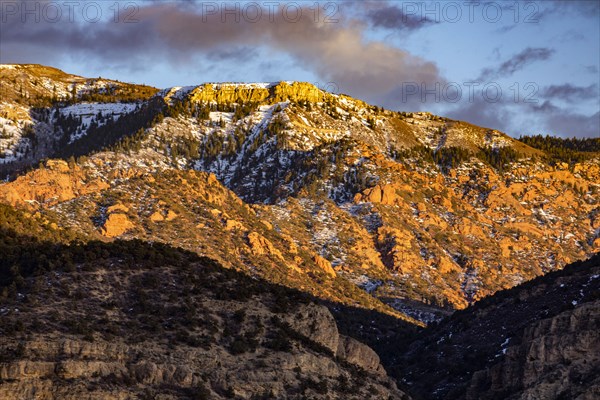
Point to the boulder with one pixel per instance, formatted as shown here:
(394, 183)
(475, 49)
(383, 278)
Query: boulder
(116, 224)
(359, 354)
(324, 264)
(259, 245)
(157, 217)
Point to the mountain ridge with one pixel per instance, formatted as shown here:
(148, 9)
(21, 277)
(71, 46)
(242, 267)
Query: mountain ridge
(392, 204)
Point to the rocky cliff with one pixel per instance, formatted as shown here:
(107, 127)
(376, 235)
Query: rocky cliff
(554, 358)
(132, 320)
(539, 340)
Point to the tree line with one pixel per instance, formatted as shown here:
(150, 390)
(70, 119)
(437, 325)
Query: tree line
(569, 150)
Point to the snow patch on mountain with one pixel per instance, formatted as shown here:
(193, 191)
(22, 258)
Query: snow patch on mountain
(95, 113)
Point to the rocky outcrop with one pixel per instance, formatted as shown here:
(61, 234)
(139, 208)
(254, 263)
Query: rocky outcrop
(325, 265)
(383, 194)
(233, 225)
(259, 245)
(229, 93)
(116, 224)
(55, 183)
(538, 340)
(556, 358)
(157, 216)
(396, 248)
(359, 354)
(171, 215)
(298, 91)
(126, 371)
(50, 360)
(255, 93)
(318, 324)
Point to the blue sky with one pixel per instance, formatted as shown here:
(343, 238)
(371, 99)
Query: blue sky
(538, 61)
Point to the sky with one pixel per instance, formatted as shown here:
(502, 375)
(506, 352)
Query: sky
(522, 67)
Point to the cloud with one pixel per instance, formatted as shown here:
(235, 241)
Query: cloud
(550, 119)
(483, 114)
(179, 32)
(570, 93)
(563, 122)
(236, 53)
(589, 8)
(517, 62)
(506, 29)
(585, 8)
(395, 18)
(547, 107)
(521, 118)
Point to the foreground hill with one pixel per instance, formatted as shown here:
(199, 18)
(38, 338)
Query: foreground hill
(141, 320)
(539, 340)
(325, 193)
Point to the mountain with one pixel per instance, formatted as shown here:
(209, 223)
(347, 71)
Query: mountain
(28, 119)
(408, 213)
(147, 234)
